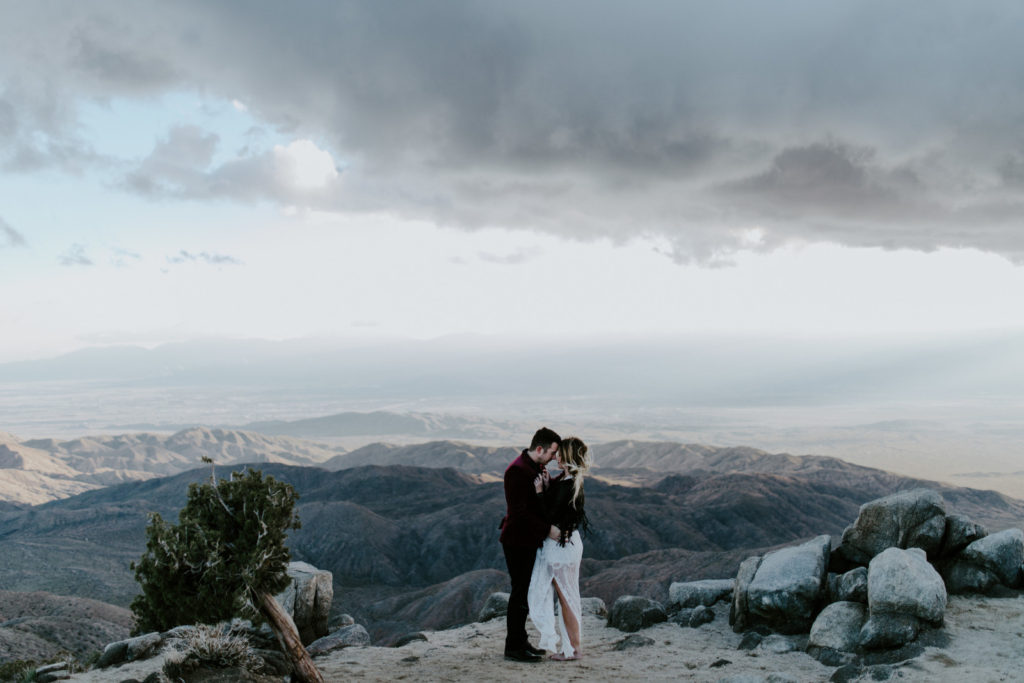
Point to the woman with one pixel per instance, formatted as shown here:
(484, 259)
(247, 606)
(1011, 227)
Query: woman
(556, 570)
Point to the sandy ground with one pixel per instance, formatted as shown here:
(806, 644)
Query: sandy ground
(986, 644)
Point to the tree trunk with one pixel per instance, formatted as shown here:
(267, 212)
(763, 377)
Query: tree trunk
(288, 637)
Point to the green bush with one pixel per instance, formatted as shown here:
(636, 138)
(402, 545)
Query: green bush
(227, 548)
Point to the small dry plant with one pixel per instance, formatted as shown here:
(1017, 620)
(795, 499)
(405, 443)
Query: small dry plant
(214, 647)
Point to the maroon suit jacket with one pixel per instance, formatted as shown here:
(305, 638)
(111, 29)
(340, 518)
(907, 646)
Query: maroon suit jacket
(524, 524)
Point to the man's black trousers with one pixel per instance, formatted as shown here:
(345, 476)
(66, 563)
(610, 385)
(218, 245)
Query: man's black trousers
(519, 561)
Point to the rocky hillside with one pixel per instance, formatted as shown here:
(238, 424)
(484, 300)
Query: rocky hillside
(38, 626)
(398, 538)
(39, 470)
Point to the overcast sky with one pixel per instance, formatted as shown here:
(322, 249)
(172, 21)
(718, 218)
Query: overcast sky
(575, 169)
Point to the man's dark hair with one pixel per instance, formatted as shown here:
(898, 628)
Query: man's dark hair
(544, 438)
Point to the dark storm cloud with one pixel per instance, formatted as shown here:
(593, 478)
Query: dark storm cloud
(864, 123)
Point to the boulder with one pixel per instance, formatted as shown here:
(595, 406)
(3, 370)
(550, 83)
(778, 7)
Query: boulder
(693, 593)
(409, 638)
(885, 631)
(788, 586)
(129, 650)
(307, 599)
(901, 520)
(594, 606)
(852, 586)
(631, 613)
(838, 626)
(496, 605)
(908, 519)
(1002, 553)
(739, 615)
(960, 533)
(346, 636)
(962, 576)
(777, 644)
(902, 582)
(693, 617)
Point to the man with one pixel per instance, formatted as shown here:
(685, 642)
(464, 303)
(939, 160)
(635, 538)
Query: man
(523, 530)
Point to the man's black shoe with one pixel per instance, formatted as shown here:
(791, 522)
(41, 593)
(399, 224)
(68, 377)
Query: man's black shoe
(522, 656)
(535, 650)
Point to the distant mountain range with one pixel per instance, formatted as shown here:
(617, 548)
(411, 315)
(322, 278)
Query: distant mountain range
(407, 542)
(38, 470)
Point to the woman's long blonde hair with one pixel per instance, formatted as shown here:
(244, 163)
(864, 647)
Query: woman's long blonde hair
(576, 460)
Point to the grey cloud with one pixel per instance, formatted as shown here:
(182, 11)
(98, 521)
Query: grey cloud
(213, 259)
(9, 237)
(75, 256)
(860, 122)
(515, 258)
(122, 258)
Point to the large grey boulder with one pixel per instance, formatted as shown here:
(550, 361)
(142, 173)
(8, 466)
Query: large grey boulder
(903, 582)
(631, 613)
(962, 576)
(307, 600)
(838, 626)
(960, 533)
(496, 605)
(693, 593)
(908, 519)
(887, 631)
(346, 636)
(1002, 553)
(788, 586)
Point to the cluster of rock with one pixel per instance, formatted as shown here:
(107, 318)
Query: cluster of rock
(878, 591)
(883, 584)
(307, 600)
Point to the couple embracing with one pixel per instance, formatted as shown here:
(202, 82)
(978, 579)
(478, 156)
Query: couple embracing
(540, 535)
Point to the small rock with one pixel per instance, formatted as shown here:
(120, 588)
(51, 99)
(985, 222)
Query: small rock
(693, 593)
(778, 644)
(51, 668)
(829, 656)
(633, 641)
(718, 663)
(61, 675)
(853, 586)
(594, 606)
(495, 606)
(631, 613)
(409, 638)
(700, 615)
(962, 576)
(750, 640)
(882, 631)
(788, 585)
(776, 677)
(274, 662)
(142, 647)
(113, 653)
(347, 636)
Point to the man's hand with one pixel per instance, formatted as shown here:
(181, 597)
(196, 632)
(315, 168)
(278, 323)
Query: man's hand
(541, 482)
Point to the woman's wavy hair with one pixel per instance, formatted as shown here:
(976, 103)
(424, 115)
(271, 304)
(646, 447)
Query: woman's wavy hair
(575, 457)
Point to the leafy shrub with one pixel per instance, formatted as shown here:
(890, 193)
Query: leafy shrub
(211, 647)
(226, 549)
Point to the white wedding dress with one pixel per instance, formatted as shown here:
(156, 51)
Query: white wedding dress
(562, 565)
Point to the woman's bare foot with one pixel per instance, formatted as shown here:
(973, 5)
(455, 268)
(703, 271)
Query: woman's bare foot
(559, 657)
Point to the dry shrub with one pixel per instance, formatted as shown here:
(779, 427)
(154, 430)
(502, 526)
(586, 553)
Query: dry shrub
(213, 647)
